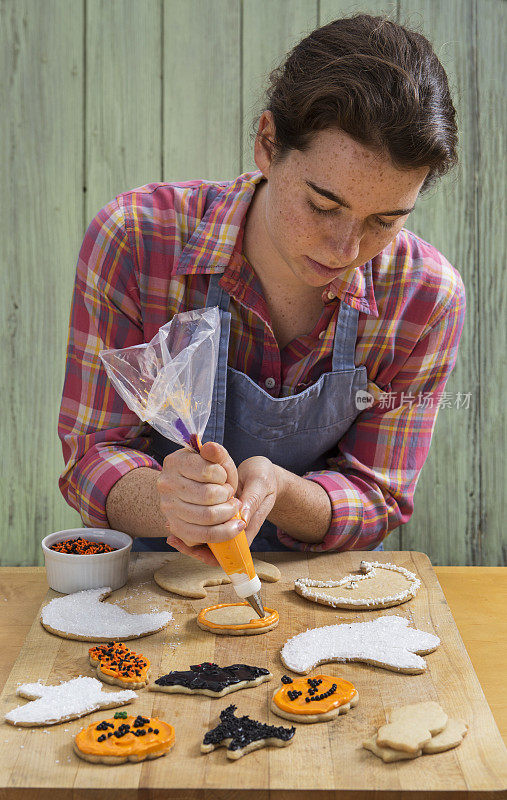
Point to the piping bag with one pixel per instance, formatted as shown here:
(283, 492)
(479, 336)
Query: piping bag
(168, 382)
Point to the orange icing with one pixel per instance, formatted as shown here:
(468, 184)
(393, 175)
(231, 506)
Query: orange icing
(255, 622)
(344, 693)
(86, 739)
(118, 661)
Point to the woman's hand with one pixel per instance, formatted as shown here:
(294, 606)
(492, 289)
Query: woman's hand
(258, 488)
(196, 493)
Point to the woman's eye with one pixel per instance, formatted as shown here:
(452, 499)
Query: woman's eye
(385, 224)
(317, 210)
(326, 211)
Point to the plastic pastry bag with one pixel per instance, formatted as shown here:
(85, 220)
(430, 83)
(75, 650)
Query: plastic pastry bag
(168, 382)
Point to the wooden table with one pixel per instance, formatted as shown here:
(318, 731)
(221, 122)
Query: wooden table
(476, 596)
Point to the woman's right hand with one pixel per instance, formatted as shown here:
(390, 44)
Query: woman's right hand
(197, 500)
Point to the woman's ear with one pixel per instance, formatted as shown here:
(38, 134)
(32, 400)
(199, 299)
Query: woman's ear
(264, 143)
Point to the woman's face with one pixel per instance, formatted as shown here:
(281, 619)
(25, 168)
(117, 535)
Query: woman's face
(338, 204)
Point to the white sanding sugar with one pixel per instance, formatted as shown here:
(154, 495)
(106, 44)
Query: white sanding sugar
(82, 614)
(386, 642)
(70, 699)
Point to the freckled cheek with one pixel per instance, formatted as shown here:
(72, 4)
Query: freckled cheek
(292, 228)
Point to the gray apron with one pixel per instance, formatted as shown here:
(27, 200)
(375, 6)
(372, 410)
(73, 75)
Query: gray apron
(295, 432)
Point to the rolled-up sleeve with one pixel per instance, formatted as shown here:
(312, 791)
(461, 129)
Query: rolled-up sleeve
(101, 438)
(372, 479)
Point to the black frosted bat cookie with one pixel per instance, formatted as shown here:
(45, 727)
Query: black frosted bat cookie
(210, 679)
(241, 735)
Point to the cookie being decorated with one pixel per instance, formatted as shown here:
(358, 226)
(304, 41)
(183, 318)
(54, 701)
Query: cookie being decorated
(121, 739)
(117, 664)
(377, 585)
(241, 735)
(187, 576)
(316, 699)
(210, 679)
(236, 619)
(68, 700)
(83, 616)
(388, 642)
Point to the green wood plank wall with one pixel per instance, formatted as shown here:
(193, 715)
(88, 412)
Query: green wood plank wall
(100, 96)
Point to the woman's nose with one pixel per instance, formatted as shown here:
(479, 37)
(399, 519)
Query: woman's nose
(346, 242)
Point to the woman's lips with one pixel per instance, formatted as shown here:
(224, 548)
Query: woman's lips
(320, 268)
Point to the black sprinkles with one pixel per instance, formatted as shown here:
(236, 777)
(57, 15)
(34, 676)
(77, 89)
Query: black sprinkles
(243, 731)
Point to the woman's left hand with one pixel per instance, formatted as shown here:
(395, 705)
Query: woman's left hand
(258, 487)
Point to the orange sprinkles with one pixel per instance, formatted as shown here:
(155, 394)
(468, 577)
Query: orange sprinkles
(81, 547)
(118, 661)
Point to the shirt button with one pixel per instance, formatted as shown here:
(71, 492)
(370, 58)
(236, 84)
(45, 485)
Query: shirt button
(331, 295)
(322, 334)
(270, 382)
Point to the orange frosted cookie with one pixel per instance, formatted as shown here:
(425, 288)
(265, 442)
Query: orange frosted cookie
(236, 619)
(117, 664)
(124, 738)
(316, 699)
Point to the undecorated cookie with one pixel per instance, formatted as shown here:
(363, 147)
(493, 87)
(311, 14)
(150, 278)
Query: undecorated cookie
(387, 642)
(116, 741)
(187, 576)
(68, 700)
(317, 699)
(377, 585)
(451, 736)
(414, 730)
(411, 727)
(241, 735)
(236, 619)
(386, 753)
(83, 616)
(210, 679)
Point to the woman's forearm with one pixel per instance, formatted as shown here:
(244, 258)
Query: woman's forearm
(133, 504)
(302, 508)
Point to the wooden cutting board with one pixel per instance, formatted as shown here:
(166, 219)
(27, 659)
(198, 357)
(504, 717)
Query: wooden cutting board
(325, 760)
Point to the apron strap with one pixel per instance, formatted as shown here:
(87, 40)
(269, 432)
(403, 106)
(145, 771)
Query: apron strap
(217, 296)
(345, 337)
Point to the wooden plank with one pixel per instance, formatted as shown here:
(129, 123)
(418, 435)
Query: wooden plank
(41, 172)
(492, 245)
(44, 763)
(202, 86)
(287, 23)
(123, 98)
(446, 519)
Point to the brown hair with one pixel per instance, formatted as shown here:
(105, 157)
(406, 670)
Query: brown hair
(375, 80)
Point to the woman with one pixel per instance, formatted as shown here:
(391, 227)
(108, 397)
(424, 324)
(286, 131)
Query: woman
(339, 326)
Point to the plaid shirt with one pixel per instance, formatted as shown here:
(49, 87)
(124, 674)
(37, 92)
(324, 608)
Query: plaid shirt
(148, 254)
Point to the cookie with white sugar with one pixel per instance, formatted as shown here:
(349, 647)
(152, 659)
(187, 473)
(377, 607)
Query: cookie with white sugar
(388, 642)
(84, 616)
(376, 585)
(51, 705)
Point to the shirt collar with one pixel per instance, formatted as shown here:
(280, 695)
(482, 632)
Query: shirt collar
(220, 232)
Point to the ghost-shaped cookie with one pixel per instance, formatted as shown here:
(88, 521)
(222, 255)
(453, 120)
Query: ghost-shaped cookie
(387, 642)
(67, 700)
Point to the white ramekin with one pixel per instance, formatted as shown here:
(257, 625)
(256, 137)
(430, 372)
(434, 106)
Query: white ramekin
(69, 573)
